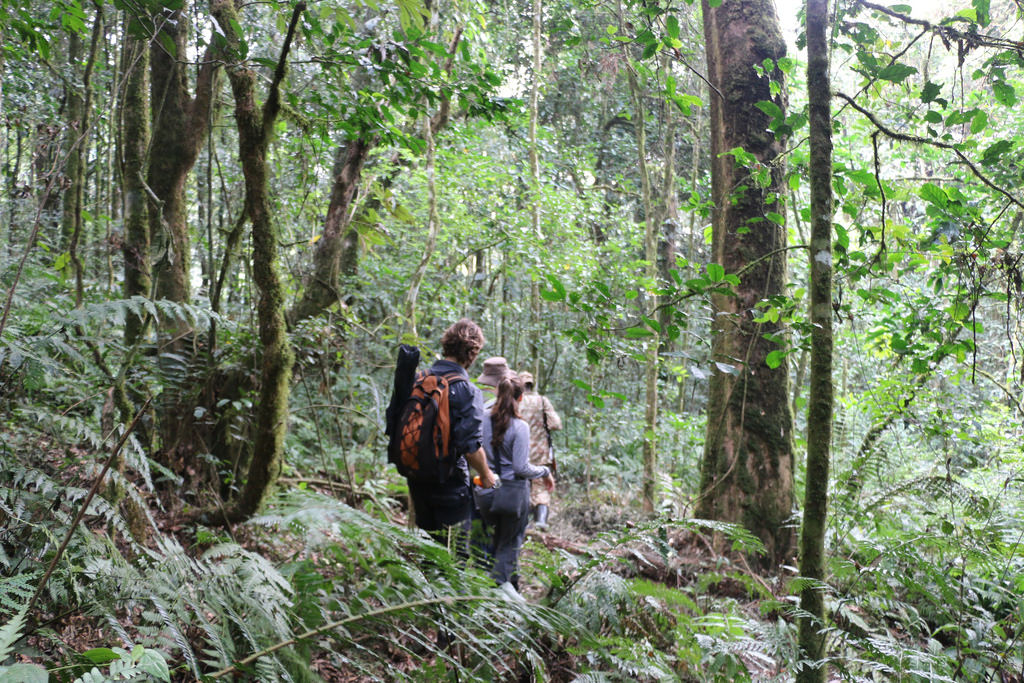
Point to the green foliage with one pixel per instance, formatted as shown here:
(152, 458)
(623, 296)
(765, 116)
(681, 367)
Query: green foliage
(925, 566)
(123, 665)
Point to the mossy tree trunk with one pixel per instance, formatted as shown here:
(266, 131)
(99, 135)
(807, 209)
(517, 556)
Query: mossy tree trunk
(747, 471)
(73, 113)
(138, 278)
(180, 122)
(255, 126)
(812, 635)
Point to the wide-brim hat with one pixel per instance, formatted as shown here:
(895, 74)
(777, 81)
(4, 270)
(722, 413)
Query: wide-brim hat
(495, 369)
(526, 377)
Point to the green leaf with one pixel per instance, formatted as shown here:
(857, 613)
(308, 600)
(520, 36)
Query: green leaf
(982, 8)
(638, 332)
(1005, 94)
(897, 73)
(716, 273)
(557, 291)
(770, 108)
(727, 368)
(153, 663)
(796, 121)
(24, 673)
(958, 311)
(980, 122)
(842, 238)
(995, 151)
(687, 102)
(100, 655)
(930, 91)
(774, 358)
(934, 194)
(168, 44)
(742, 156)
(672, 26)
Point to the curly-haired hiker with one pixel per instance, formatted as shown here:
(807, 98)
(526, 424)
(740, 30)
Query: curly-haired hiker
(507, 444)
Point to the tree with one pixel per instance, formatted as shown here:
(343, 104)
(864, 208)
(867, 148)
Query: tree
(387, 77)
(79, 121)
(133, 143)
(747, 470)
(650, 447)
(180, 123)
(255, 128)
(819, 410)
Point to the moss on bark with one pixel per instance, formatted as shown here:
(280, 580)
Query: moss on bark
(812, 632)
(254, 129)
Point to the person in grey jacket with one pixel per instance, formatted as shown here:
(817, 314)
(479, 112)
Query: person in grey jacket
(506, 441)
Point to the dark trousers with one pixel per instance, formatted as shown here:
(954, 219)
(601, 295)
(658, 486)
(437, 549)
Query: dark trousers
(444, 513)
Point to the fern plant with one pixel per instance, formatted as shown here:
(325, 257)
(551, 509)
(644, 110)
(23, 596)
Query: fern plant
(399, 607)
(927, 574)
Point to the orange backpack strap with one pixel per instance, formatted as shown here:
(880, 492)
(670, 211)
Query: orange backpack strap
(444, 413)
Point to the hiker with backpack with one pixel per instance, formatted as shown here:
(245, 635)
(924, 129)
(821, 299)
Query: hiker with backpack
(506, 508)
(435, 423)
(540, 415)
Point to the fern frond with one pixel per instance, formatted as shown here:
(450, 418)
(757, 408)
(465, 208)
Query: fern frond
(11, 631)
(16, 591)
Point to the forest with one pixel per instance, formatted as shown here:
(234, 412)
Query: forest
(763, 257)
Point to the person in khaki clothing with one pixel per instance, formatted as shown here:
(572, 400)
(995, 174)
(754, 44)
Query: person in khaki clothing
(540, 415)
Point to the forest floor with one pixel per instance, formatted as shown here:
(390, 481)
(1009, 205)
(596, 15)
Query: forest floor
(578, 528)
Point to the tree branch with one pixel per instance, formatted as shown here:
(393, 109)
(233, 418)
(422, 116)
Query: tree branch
(904, 137)
(273, 103)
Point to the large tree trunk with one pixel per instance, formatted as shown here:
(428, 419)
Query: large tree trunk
(254, 129)
(747, 472)
(134, 142)
(180, 123)
(812, 633)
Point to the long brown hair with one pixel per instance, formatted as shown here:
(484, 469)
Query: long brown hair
(504, 409)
